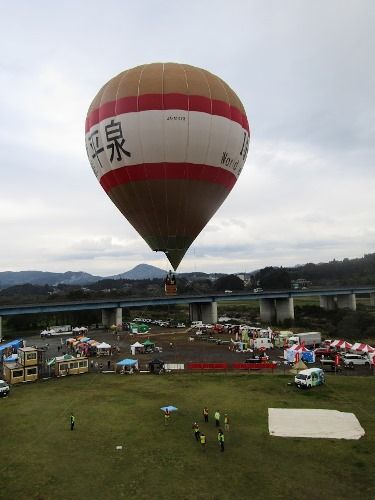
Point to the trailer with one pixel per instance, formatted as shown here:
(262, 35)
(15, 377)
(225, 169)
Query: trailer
(55, 331)
(308, 339)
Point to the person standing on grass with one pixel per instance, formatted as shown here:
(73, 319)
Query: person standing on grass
(217, 418)
(72, 422)
(196, 431)
(202, 439)
(220, 439)
(205, 414)
(226, 422)
(167, 415)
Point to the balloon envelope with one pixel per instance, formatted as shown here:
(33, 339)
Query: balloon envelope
(167, 143)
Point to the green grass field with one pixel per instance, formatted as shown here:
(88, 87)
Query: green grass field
(42, 459)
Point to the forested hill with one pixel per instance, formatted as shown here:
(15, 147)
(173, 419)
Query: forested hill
(346, 272)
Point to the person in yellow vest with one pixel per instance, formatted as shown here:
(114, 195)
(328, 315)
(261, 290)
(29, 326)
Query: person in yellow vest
(217, 418)
(202, 438)
(220, 439)
(226, 422)
(72, 422)
(205, 414)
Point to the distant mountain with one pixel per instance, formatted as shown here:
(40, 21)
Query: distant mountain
(11, 278)
(40, 278)
(141, 272)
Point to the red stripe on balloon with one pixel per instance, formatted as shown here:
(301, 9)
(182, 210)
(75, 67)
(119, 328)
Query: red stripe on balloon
(148, 102)
(168, 171)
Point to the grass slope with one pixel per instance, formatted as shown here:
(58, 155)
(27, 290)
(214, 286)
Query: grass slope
(42, 459)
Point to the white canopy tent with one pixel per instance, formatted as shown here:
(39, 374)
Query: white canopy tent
(135, 346)
(103, 349)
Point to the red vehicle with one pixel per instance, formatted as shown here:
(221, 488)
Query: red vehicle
(324, 351)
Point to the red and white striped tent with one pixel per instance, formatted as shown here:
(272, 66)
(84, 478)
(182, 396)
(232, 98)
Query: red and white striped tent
(361, 347)
(341, 344)
(298, 348)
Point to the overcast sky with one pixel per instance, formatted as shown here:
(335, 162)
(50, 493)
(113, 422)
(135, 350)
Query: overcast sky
(305, 72)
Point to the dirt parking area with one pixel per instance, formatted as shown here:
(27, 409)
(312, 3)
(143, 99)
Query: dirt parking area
(173, 346)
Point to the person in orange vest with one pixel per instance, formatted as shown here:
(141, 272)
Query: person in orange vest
(226, 422)
(167, 415)
(205, 414)
(196, 430)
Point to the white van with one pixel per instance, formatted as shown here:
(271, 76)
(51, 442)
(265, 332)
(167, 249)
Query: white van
(309, 378)
(196, 324)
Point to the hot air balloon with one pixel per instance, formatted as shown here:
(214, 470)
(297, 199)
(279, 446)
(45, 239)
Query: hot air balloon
(167, 143)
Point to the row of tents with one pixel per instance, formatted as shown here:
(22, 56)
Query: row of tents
(144, 347)
(356, 347)
(300, 352)
(87, 346)
(129, 365)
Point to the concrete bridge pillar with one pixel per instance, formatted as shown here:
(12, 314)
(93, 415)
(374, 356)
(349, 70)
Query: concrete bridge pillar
(347, 302)
(203, 312)
(267, 310)
(284, 309)
(372, 299)
(328, 302)
(112, 316)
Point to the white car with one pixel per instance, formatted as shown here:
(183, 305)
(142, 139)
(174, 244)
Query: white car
(181, 325)
(4, 388)
(350, 360)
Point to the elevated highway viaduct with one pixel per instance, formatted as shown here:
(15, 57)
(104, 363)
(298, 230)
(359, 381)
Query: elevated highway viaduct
(275, 306)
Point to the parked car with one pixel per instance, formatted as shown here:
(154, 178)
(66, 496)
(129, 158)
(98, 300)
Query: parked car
(351, 360)
(4, 388)
(258, 290)
(330, 363)
(254, 360)
(181, 325)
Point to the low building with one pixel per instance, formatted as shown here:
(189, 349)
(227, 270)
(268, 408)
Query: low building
(25, 369)
(69, 365)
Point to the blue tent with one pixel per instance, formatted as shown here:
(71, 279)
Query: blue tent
(308, 356)
(14, 344)
(85, 339)
(127, 362)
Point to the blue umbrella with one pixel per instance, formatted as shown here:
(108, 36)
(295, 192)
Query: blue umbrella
(169, 408)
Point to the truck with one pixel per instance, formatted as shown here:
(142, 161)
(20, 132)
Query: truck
(261, 343)
(311, 377)
(56, 330)
(309, 339)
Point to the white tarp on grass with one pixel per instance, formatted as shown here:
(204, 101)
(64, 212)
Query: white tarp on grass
(329, 424)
